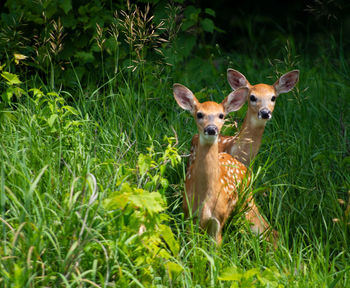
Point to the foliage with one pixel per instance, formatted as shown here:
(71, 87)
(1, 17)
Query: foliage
(12, 86)
(150, 241)
(91, 181)
(66, 40)
(252, 278)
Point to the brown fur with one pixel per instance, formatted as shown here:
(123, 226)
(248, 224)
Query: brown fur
(215, 181)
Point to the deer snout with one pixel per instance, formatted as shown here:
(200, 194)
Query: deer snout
(264, 114)
(211, 130)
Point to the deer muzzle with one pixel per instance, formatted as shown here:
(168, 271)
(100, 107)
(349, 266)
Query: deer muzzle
(211, 130)
(264, 114)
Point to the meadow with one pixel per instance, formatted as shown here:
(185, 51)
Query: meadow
(83, 166)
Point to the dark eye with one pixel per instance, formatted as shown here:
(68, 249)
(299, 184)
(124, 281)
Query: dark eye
(200, 115)
(273, 99)
(221, 116)
(253, 98)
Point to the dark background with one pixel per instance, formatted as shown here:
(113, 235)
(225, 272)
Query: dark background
(255, 28)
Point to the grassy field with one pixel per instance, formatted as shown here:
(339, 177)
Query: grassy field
(82, 170)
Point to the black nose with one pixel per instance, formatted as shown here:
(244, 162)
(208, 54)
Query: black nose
(265, 114)
(211, 130)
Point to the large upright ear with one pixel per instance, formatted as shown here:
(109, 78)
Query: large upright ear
(286, 82)
(236, 79)
(184, 97)
(235, 100)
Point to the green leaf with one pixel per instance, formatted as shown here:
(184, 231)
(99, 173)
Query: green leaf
(152, 202)
(187, 24)
(144, 163)
(208, 25)
(52, 119)
(86, 57)
(66, 5)
(119, 201)
(164, 182)
(250, 273)
(169, 238)
(231, 274)
(70, 109)
(7, 95)
(36, 92)
(174, 269)
(18, 91)
(192, 12)
(210, 12)
(12, 79)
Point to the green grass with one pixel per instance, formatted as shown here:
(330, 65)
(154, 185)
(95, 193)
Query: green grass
(57, 230)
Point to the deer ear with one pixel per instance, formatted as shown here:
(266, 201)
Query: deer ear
(235, 100)
(184, 97)
(286, 82)
(236, 79)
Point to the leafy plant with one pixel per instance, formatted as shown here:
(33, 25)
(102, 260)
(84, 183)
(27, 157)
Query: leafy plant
(53, 113)
(11, 86)
(252, 277)
(141, 215)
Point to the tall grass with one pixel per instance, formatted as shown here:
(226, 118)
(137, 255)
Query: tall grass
(57, 230)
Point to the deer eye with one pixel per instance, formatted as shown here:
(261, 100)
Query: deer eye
(253, 98)
(200, 115)
(221, 116)
(273, 98)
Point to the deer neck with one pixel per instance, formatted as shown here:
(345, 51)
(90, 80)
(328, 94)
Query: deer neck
(207, 169)
(248, 141)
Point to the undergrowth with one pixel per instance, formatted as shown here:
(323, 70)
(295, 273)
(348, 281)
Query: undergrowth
(92, 177)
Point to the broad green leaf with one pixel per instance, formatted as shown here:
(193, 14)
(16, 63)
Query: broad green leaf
(169, 238)
(19, 277)
(144, 163)
(187, 24)
(174, 269)
(18, 91)
(52, 119)
(12, 79)
(208, 25)
(230, 274)
(36, 92)
(192, 12)
(251, 272)
(152, 202)
(164, 182)
(70, 109)
(7, 95)
(86, 57)
(162, 253)
(118, 201)
(210, 12)
(66, 5)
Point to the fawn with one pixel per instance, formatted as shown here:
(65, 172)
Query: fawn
(245, 146)
(214, 179)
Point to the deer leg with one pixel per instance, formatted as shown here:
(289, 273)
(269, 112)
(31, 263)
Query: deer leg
(213, 228)
(259, 224)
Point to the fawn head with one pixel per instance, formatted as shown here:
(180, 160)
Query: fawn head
(262, 97)
(209, 116)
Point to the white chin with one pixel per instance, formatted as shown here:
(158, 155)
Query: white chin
(207, 139)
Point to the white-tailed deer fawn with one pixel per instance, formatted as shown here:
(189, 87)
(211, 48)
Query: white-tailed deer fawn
(214, 180)
(261, 102)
